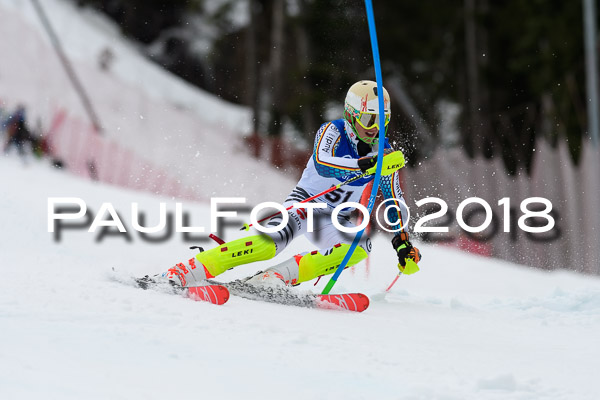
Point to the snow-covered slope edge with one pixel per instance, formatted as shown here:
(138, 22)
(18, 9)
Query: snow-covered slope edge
(463, 327)
(149, 116)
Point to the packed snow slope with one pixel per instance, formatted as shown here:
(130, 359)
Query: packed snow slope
(464, 327)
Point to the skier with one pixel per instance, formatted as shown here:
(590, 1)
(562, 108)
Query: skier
(17, 132)
(343, 148)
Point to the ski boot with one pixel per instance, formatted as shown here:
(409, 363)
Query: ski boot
(180, 275)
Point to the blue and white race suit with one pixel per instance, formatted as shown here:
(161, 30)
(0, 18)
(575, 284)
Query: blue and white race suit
(334, 160)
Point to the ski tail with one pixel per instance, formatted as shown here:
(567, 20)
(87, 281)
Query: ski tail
(357, 302)
(215, 294)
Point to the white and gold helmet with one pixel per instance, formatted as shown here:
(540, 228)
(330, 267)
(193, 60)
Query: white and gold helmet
(362, 107)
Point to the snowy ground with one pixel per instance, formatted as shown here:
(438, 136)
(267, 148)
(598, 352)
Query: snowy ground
(463, 328)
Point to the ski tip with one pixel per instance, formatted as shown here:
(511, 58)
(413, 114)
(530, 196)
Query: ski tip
(356, 302)
(215, 294)
(364, 301)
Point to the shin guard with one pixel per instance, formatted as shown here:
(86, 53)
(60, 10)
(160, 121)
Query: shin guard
(312, 265)
(237, 252)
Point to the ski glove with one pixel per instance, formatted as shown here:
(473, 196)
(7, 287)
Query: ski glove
(392, 161)
(366, 163)
(408, 255)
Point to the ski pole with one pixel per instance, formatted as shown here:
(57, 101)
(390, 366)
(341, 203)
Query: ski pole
(410, 267)
(394, 282)
(331, 189)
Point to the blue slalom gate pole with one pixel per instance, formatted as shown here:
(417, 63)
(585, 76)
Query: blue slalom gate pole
(375, 48)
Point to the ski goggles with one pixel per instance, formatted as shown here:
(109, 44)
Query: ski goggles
(371, 120)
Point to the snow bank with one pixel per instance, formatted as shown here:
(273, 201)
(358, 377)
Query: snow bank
(154, 124)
